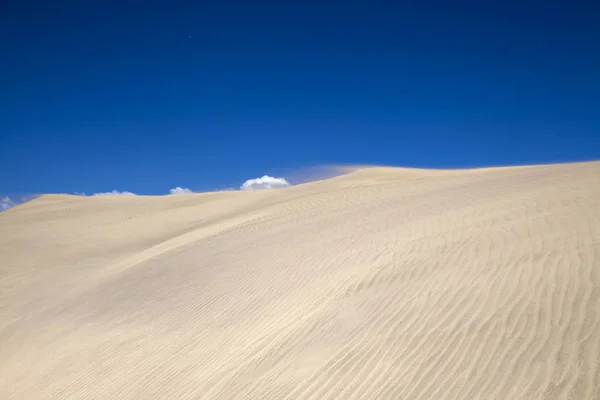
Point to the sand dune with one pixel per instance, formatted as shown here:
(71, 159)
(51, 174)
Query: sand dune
(383, 283)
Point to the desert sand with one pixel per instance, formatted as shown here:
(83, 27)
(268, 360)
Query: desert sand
(382, 283)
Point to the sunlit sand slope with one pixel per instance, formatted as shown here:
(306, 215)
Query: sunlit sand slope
(383, 283)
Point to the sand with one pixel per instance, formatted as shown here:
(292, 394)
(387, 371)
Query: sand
(383, 283)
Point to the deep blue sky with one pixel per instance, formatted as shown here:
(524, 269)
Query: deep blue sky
(147, 95)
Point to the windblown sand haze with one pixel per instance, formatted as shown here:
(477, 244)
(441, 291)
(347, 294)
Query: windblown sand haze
(382, 283)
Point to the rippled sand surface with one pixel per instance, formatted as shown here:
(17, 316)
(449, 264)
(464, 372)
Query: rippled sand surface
(383, 283)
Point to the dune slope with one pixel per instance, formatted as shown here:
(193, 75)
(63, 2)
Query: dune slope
(384, 283)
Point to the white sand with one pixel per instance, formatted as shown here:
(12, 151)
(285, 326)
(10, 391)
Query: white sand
(385, 283)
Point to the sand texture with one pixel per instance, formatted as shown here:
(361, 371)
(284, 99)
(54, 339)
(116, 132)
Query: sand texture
(383, 283)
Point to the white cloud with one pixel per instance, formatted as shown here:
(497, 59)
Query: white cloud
(6, 203)
(115, 193)
(266, 182)
(180, 190)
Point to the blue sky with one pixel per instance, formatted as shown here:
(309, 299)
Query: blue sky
(145, 96)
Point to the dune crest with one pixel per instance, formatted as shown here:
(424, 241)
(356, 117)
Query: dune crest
(382, 283)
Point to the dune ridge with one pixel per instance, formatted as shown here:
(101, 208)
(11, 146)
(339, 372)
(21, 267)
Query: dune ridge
(381, 283)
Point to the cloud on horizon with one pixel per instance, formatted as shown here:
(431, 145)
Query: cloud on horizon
(180, 190)
(13, 200)
(266, 182)
(6, 203)
(114, 193)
